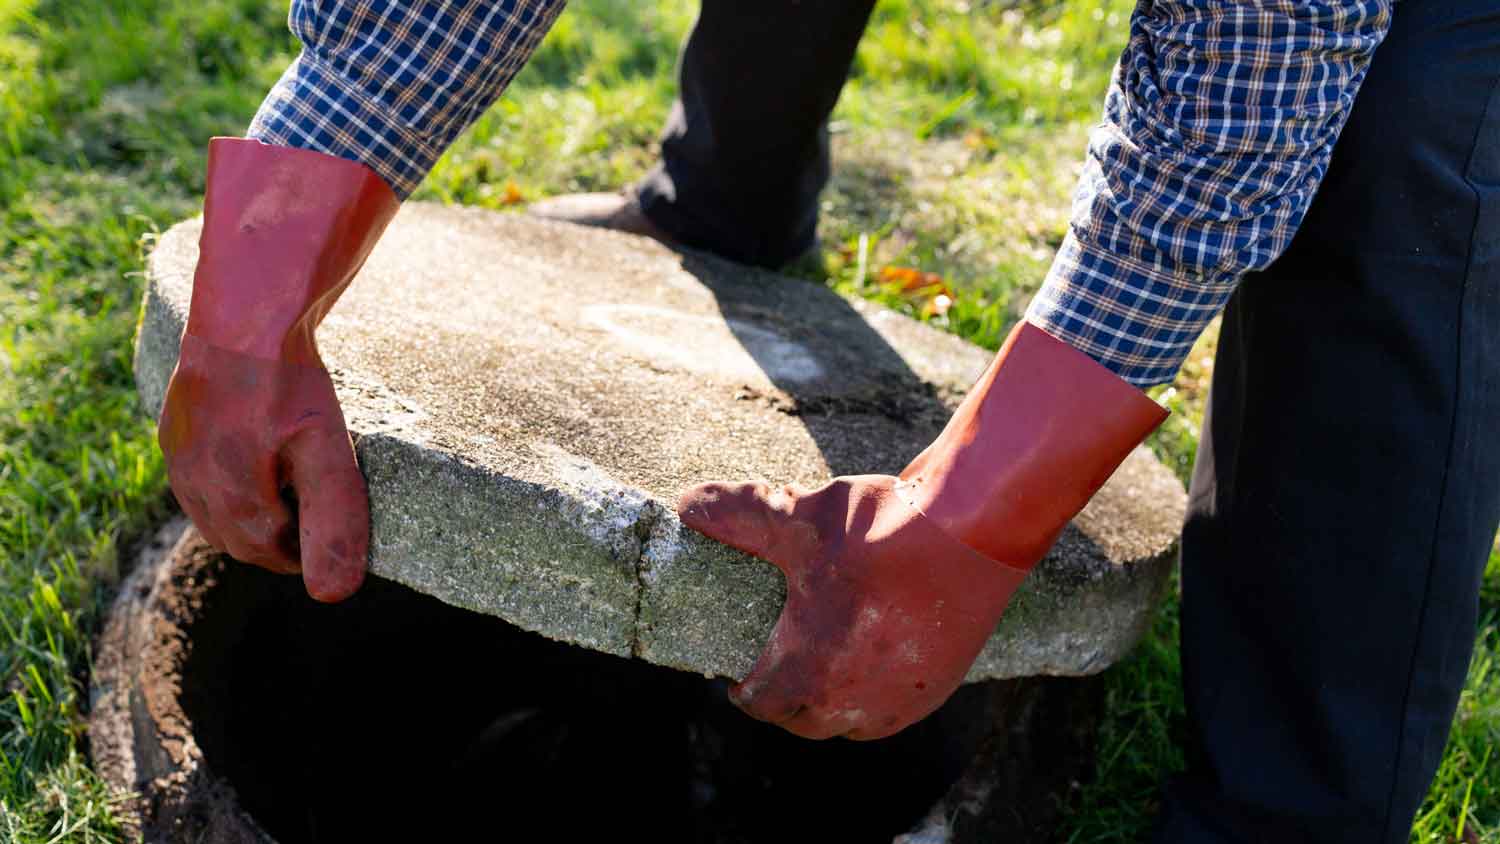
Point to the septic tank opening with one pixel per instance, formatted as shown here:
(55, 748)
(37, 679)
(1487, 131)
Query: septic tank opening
(394, 716)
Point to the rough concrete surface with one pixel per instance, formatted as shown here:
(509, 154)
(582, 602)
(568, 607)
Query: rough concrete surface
(528, 397)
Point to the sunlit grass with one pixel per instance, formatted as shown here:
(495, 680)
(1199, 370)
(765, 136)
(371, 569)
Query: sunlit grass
(956, 143)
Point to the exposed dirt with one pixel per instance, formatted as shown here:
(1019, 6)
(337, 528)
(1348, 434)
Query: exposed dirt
(396, 717)
(141, 740)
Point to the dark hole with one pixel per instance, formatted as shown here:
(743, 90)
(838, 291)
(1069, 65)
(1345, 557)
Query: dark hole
(397, 717)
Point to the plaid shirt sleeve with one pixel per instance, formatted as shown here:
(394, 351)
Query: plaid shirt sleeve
(392, 83)
(1218, 127)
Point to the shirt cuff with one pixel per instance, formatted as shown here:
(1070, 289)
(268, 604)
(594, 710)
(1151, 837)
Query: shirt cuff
(1140, 321)
(313, 107)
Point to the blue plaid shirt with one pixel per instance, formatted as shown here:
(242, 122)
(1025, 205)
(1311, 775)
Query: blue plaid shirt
(1218, 127)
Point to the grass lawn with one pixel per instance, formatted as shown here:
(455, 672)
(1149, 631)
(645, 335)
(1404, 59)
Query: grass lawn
(957, 143)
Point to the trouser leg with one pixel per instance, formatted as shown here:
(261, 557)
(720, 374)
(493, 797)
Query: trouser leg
(745, 150)
(1347, 488)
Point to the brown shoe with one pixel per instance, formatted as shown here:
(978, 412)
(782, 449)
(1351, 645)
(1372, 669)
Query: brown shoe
(617, 211)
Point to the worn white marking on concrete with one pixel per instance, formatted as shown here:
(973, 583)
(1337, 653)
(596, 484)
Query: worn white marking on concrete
(706, 344)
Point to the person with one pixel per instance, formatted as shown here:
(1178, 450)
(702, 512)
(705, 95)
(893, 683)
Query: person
(1347, 489)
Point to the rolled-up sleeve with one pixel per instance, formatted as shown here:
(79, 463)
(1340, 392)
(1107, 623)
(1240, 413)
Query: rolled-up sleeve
(1218, 127)
(392, 83)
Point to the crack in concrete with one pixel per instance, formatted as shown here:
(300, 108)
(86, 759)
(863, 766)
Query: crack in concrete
(649, 516)
(640, 532)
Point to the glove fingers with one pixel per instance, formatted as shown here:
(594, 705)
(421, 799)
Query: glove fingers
(256, 524)
(813, 724)
(220, 466)
(333, 514)
(789, 687)
(255, 529)
(259, 532)
(769, 702)
(869, 733)
(758, 521)
(775, 690)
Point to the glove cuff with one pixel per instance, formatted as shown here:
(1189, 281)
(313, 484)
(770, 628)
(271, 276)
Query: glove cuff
(284, 232)
(1039, 434)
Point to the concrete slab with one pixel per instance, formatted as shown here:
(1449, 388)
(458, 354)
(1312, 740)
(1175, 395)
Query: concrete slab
(528, 397)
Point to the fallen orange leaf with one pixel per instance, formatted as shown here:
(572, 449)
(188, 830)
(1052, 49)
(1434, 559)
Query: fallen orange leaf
(913, 280)
(935, 294)
(512, 195)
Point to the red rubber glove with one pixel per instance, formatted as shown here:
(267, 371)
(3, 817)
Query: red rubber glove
(894, 585)
(250, 427)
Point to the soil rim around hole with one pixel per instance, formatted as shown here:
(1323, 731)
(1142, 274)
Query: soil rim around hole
(186, 796)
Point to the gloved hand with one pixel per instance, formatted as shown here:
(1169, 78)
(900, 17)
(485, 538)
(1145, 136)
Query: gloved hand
(250, 426)
(895, 584)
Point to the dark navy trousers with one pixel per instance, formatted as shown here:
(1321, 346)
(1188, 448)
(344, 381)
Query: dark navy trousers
(744, 154)
(1347, 487)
